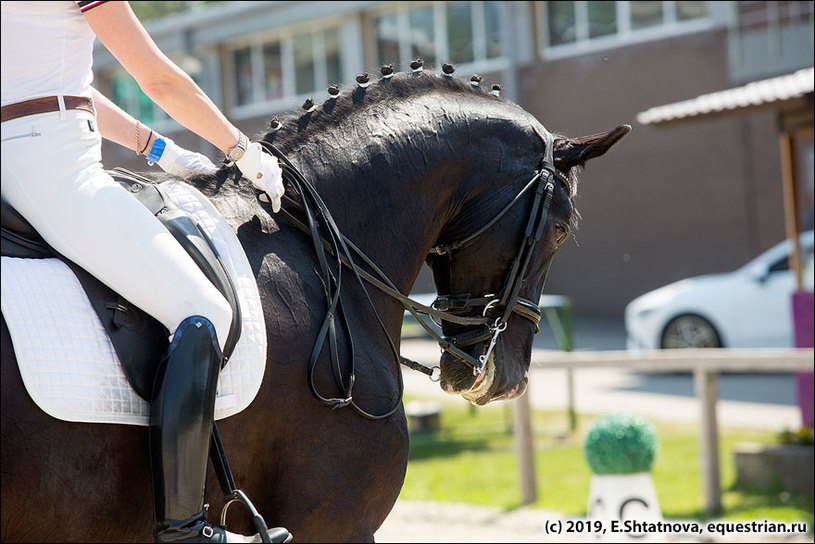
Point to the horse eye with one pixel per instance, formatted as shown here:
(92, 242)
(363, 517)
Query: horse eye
(561, 232)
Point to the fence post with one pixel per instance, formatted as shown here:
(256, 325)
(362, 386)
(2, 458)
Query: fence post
(562, 326)
(707, 391)
(568, 326)
(525, 449)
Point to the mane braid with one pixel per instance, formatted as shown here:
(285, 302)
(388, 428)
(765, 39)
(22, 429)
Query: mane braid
(297, 126)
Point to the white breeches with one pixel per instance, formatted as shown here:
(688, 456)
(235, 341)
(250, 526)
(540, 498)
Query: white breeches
(52, 174)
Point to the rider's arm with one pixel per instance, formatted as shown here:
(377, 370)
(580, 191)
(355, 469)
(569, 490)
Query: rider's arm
(118, 126)
(118, 28)
(121, 32)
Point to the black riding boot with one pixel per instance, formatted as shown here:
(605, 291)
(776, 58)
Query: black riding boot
(181, 417)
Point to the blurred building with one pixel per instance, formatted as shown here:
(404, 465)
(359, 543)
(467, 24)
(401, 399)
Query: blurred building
(663, 205)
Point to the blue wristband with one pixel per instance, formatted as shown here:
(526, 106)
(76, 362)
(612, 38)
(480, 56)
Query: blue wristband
(157, 150)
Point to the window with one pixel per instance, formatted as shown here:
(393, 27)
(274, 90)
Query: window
(460, 32)
(333, 56)
(572, 27)
(273, 69)
(782, 265)
(422, 35)
(387, 42)
(287, 68)
(456, 32)
(646, 14)
(602, 18)
(243, 75)
(492, 21)
(561, 19)
(304, 64)
(690, 10)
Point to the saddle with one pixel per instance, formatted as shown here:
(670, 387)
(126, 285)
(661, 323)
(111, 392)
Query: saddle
(138, 339)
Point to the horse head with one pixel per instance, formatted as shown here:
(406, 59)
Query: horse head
(499, 270)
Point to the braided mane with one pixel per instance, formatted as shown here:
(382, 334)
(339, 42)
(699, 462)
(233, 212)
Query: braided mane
(295, 127)
(320, 126)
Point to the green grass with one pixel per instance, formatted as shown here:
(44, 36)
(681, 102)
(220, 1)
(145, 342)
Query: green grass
(472, 460)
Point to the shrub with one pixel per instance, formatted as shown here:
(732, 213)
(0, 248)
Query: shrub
(621, 444)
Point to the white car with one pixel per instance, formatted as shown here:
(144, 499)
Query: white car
(747, 308)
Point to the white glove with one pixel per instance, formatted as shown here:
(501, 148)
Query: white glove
(184, 163)
(263, 170)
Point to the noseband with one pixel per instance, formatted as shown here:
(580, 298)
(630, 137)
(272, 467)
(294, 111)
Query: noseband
(508, 300)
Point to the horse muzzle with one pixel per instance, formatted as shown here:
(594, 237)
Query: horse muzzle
(457, 378)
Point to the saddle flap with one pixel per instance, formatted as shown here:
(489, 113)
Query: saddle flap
(19, 238)
(139, 340)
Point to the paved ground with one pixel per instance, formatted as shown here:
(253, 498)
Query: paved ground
(764, 401)
(415, 521)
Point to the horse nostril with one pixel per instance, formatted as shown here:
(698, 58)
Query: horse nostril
(519, 389)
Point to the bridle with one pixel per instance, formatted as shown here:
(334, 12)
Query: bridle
(508, 300)
(445, 308)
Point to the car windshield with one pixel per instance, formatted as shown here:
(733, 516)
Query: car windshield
(776, 259)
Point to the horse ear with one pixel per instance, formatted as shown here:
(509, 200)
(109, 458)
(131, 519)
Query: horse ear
(571, 152)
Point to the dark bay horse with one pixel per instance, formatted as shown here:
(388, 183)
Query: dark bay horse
(405, 165)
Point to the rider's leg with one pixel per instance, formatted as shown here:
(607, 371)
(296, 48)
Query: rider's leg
(57, 182)
(90, 219)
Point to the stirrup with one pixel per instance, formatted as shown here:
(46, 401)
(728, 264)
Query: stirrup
(260, 524)
(232, 494)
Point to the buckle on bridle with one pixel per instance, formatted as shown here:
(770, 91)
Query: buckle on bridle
(446, 303)
(489, 305)
(496, 329)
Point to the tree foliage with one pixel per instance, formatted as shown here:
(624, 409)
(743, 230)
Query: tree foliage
(147, 11)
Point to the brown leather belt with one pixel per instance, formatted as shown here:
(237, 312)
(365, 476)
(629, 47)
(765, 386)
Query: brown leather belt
(45, 105)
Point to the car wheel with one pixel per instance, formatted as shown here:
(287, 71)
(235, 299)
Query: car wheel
(690, 331)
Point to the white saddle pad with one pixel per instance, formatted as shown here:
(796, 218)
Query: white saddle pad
(66, 359)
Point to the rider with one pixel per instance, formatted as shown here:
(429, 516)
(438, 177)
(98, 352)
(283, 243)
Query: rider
(52, 174)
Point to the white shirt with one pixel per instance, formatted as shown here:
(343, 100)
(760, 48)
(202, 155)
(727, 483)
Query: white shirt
(47, 49)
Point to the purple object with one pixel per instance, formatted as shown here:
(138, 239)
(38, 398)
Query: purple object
(803, 304)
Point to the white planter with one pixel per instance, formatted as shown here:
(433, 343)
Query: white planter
(624, 498)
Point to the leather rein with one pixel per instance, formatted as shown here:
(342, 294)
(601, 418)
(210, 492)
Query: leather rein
(447, 308)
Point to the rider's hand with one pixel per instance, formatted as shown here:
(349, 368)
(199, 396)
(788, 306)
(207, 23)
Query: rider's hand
(263, 170)
(181, 162)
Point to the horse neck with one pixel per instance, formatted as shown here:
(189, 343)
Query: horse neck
(396, 178)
